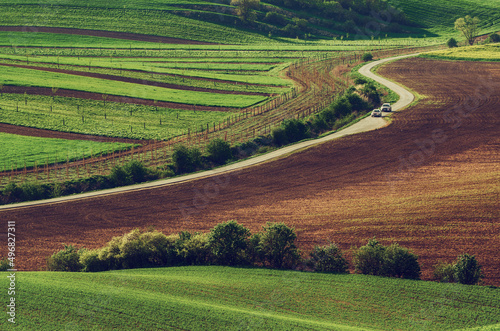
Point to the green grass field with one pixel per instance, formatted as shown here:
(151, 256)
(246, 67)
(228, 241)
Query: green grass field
(26, 151)
(223, 298)
(489, 52)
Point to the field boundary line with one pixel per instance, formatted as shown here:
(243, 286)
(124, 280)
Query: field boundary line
(367, 124)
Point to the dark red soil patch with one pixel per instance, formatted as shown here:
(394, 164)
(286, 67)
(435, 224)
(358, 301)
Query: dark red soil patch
(105, 34)
(428, 181)
(133, 80)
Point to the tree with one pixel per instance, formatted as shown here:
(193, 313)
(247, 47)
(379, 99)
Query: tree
(67, 259)
(367, 57)
(228, 242)
(468, 26)
(328, 259)
(493, 38)
(219, 151)
(369, 259)
(400, 262)
(452, 42)
(186, 159)
(391, 261)
(277, 246)
(244, 9)
(467, 270)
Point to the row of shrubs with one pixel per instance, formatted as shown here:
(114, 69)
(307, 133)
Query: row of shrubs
(232, 244)
(127, 174)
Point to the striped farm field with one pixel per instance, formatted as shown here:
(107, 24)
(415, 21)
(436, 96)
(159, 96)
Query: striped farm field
(30, 77)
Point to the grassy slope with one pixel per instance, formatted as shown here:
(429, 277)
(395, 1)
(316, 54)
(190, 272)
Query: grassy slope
(474, 53)
(217, 298)
(122, 16)
(439, 16)
(28, 150)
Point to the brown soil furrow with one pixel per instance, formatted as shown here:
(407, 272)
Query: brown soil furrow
(105, 34)
(428, 181)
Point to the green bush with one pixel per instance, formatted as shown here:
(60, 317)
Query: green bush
(186, 159)
(342, 107)
(494, 38)
(91, 262)
(275, 18)
(318, 124)
(219, 151)
(400, 262)
(228, 242)
(290, 131)
(136, 170)
(367, 57)
(370, 91)
(12, 192)
(161, 249)
(295, 130)
(392, 261)
(467, 270)
(360, 81)
(279, 136)
(277, 246)
(327, 259)
(452, 42)
(369, 259)
(194, 249)
(119, 176)
(67, 259)
(133, 251)
(357, 103)
(444, 272)
(4, 264)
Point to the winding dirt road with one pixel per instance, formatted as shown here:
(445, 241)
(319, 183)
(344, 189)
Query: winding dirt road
(428, 181)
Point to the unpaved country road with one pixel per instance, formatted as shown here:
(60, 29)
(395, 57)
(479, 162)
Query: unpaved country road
(366, 124)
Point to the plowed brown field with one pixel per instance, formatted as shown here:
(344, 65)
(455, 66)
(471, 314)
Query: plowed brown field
(429, 181)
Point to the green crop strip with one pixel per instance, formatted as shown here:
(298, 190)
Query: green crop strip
(113, 119)
(473, 53)
(27, 151)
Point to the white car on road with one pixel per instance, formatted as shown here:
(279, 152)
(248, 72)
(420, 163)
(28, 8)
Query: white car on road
(376, 113)
(386, 107)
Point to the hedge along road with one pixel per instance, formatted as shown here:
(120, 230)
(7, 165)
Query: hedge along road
(367, 124)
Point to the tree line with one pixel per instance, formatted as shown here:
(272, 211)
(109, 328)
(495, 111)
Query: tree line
(232, 244)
